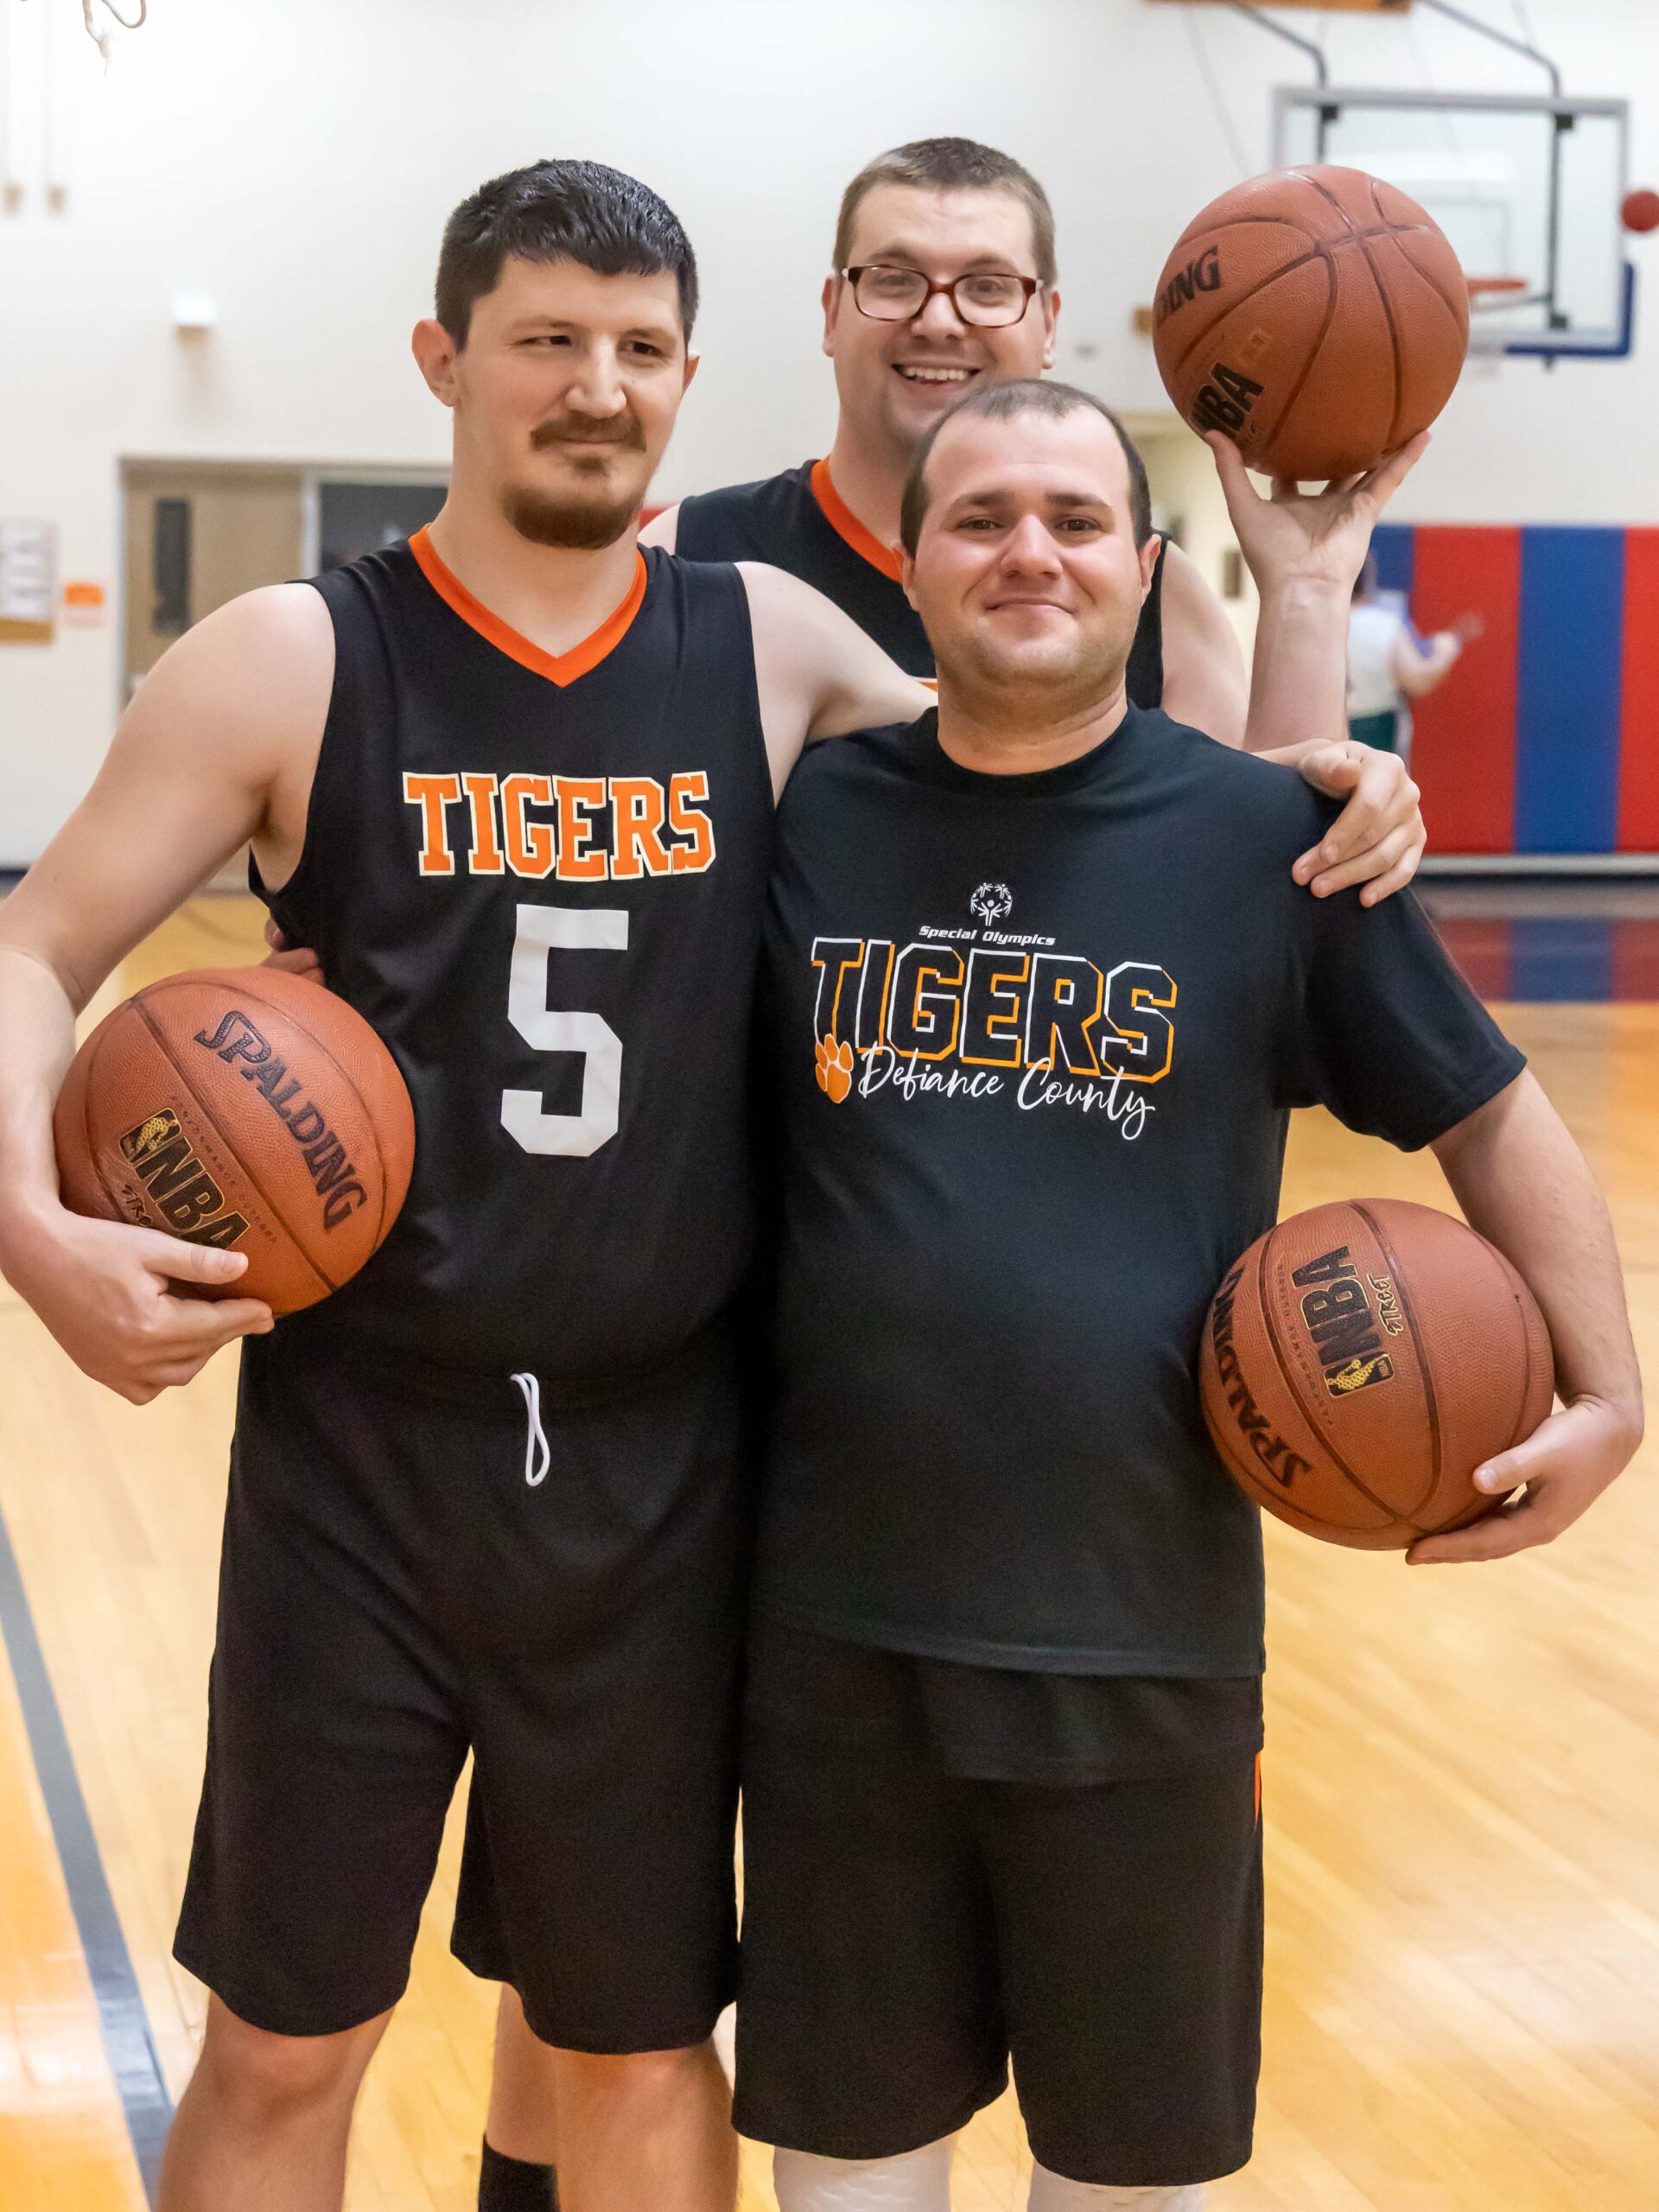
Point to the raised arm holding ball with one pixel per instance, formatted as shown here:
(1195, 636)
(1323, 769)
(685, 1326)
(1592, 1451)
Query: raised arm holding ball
(944, 279)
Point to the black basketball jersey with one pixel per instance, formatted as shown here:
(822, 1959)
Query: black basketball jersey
(541, 879)
(798, 521)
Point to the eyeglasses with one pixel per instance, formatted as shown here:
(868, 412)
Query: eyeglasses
(988, 298)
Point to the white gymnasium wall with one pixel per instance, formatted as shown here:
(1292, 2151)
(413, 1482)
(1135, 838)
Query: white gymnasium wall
(296, 159)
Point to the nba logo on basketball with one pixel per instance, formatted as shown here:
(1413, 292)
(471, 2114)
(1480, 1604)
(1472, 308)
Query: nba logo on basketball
(149, 1136)
(177, 1185)
(1357, 1373)
(1337, 1313)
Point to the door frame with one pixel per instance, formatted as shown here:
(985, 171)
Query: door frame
(313, 475)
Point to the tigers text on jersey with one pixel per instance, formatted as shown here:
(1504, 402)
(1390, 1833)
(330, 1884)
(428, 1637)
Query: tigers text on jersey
(798, 521)
(1032, 1038)
(541, 878)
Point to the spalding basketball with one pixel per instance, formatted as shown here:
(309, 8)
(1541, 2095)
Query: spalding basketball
(1317, 316)
(1362, 1360)
(244, 1107)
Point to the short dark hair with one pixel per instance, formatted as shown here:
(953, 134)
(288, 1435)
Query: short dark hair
(560, 211)
(1002, 403)
(951, 165)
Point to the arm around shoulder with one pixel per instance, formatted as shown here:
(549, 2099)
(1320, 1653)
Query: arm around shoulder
(816, 672)
(1378, 839)
(663, 530)
(1205, 681)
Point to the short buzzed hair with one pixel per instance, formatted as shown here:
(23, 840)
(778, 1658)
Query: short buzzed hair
(951, 165)
(598, 218)
(1002, 403)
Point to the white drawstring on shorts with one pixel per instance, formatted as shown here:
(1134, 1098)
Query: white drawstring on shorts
(537, 1458)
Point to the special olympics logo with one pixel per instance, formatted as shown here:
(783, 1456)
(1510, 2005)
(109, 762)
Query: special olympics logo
(991, 901)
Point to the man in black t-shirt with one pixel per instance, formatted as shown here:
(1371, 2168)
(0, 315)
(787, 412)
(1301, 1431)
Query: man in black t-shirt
(1040, 994)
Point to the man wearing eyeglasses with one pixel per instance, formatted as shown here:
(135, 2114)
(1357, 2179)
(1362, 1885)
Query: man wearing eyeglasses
(944, 279)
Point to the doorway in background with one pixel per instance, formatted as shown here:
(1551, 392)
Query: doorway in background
(201, 532)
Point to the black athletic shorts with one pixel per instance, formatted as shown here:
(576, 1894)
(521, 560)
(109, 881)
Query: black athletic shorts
(394, 1593)
(906, 1927)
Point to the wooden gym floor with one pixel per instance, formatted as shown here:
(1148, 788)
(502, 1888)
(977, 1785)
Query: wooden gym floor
(1462, 1790)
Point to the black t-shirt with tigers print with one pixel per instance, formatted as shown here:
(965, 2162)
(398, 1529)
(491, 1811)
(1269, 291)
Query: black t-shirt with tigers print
(1033, 1041)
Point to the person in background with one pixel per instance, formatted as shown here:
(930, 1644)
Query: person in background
(943, 277)
(1389, 665)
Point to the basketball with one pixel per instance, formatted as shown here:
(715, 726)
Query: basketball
(1639, 210)
(244, 1107)
(1316, 315)
(1362, 1360)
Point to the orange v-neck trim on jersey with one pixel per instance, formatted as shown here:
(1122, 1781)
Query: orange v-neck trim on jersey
(845, 524)
(558, 668)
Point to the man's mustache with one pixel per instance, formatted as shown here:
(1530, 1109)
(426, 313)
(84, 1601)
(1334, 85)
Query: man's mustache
(622, 430)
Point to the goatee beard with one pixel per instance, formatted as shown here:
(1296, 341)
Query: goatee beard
(581, 527)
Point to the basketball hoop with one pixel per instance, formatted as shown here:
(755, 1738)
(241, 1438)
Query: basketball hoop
(1501, 291)
(1486, 343)
(1490, 342)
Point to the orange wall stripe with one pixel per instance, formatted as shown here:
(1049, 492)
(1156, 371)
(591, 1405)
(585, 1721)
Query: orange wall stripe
(558, 668)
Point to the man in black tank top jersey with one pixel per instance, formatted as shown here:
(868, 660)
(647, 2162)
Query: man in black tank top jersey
(513, 783)
(944, 279)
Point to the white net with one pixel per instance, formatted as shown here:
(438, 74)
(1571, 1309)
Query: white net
(99, 15)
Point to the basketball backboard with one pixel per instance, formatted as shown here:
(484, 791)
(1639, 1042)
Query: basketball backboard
(1527, 188)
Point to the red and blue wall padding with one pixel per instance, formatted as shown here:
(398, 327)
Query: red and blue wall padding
(1541, 957)
(1545, 737)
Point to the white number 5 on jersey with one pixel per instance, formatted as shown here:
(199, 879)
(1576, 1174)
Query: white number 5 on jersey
(543, 931)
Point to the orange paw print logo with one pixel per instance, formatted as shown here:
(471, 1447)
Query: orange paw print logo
(835, 1068)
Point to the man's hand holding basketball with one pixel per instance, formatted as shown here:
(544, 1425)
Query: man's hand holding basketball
(1304, 550)
(103, 1289)
(1565, 1465)
(1297, 540)
(1522, 1182)
(292, 959)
